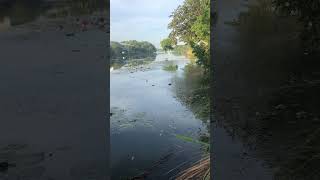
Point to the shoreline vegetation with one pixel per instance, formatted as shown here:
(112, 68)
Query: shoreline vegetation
(190, 25)
(132, 52)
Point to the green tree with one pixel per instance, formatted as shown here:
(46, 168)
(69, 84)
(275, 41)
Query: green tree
(166, 44)
(191, 24)
(132, 49)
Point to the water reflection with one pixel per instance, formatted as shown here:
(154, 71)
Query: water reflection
(153, 134)
(262, 80)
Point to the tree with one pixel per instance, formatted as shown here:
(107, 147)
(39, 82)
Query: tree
(132, 49)
(191, 24)
(166, 44)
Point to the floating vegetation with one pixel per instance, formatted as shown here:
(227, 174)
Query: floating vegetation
(138, 62)
(193, 140)
(122, 120)
(170, 67)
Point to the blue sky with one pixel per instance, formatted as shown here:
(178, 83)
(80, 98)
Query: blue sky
(145, 20)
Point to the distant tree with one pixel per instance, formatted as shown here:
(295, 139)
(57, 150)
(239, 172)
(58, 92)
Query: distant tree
(116, 50)
(140, 49)
(132, 49)
(166, 44)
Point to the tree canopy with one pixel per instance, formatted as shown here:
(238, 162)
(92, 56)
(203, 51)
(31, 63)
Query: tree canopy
(132, 49)
(191, 24)
(166, 44)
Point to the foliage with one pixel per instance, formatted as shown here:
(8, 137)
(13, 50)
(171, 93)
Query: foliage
(183, 50)
(191, 24)
(170, 67)
(166, 44)
(142, 49)
(202, 52)
(193, 140)
(131, 50)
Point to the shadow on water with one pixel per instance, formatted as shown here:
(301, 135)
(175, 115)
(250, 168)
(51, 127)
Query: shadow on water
(191, 88)
(265, 92)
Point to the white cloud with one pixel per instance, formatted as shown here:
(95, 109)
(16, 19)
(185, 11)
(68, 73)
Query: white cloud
(141, 19)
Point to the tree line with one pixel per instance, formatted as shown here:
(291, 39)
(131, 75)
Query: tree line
(131, 49)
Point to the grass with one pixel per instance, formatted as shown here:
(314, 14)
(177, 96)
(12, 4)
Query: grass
(190, 139)
(170, 67)
(200, 170)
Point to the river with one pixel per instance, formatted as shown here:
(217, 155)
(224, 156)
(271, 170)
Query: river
(146, 118)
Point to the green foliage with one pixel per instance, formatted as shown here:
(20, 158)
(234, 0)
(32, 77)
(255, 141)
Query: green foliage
(131, 50)
(202, 52)
(166, 44)
(180, 50)
(193, 140)
(139, 49)
(170, 67)
(191, 24)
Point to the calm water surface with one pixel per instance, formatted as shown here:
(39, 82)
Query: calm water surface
(146, 118)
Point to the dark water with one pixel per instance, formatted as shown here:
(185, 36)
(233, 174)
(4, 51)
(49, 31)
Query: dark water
(263, 88)
(147, 115)
(19, 12)
(53, 94)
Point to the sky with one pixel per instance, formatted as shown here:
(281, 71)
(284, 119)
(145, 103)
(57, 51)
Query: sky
(141, 20)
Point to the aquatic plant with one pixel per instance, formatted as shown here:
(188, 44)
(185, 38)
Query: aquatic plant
(190, 139)
(170, 67)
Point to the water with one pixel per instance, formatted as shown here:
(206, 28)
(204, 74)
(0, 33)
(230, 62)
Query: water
(146, 117)
(53, 92)
(260, 93)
